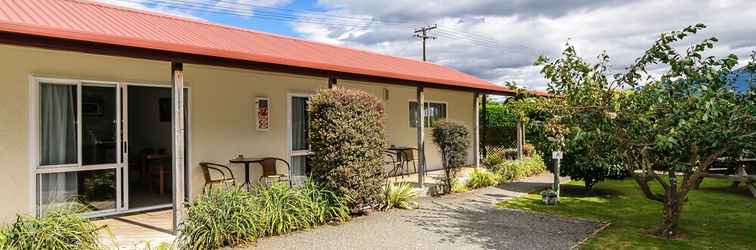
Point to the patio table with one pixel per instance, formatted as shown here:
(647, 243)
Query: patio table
(247, 164)
(400, 152)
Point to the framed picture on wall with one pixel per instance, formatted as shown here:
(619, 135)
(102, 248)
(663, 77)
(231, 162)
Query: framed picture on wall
(263, 113)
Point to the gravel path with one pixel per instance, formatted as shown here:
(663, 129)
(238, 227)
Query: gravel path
(458, 221)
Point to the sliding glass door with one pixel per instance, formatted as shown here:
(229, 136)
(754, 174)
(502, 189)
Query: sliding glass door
(299, 145)
(79, 148)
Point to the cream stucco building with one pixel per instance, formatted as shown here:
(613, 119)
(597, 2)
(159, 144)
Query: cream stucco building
(88, 104)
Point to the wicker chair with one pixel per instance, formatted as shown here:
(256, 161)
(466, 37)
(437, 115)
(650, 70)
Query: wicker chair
(224, 179)
(270, 170)
(408, 156)
(391, 159)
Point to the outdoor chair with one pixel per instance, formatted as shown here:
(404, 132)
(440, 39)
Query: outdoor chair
(224, 179)
(391, 159)
(270, 170)
(409, 156)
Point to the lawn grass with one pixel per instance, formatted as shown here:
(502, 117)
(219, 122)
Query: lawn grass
(715, 217)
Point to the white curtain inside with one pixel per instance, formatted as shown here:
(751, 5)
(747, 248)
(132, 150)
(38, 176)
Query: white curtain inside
(57, 142)
(299, 136)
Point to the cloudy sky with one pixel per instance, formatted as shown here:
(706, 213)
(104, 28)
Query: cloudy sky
(496, 40)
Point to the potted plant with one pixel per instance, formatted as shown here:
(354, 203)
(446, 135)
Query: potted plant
(549, 197)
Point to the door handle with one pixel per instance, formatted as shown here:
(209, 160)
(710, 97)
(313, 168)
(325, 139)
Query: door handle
(126, 147)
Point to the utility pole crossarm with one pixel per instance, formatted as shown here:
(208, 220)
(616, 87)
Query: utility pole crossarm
(422, 33)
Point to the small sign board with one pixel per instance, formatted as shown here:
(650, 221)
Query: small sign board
(556, 155)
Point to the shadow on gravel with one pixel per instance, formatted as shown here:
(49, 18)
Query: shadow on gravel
(474, 219)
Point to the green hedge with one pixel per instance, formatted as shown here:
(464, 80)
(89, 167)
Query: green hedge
(479, 178)
(516, 169)
(348, 138)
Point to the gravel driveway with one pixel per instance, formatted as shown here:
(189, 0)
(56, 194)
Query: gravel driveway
(459, 221)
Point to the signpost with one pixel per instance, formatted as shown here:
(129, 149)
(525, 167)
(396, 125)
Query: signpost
(557, 155)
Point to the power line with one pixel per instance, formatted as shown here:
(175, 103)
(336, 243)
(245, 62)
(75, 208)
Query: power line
(295, 15)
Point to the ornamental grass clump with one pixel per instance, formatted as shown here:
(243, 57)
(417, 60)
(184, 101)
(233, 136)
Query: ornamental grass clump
(482, 178)
(220, 218)
(347, 138)
(234, 217)
(453, 140)
(400, 196)
(60, 228)
(520, 168)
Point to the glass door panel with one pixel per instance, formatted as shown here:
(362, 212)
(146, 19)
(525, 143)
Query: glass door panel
(86, 190)
(79, 142)
(300, 145)
(99, 120)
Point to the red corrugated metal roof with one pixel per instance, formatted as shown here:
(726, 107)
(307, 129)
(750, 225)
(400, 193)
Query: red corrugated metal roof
(107, 24)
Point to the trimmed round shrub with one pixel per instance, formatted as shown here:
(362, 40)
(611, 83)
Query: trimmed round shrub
(347, 138)
(453, 139)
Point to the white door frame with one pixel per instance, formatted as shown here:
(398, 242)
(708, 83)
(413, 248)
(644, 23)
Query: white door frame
(121, 165)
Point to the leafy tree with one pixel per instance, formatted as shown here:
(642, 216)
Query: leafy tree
(671, 128)
(578, 119)
(668, 128)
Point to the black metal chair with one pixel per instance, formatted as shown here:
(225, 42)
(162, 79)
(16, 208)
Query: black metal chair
(210, 181)
(270, 170)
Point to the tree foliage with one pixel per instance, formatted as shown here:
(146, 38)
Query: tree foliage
(668, 128)
(681, 122)
(347, 138)
(578, 120)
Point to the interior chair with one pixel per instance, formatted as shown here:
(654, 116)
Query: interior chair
(270, 170)
(226, 180)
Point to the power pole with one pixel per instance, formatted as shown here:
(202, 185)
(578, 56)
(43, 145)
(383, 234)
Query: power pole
(422, 33)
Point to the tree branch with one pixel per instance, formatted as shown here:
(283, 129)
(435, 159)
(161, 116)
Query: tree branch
(642, 181)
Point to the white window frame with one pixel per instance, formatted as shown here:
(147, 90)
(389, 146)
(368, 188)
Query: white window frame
(427, 124)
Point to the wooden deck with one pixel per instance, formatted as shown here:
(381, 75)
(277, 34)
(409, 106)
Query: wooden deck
(136, 231)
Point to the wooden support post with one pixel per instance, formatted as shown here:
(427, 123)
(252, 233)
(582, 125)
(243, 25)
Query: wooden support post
(177, 121)
(420, 136)
(520, 139)
(331, 82)
(485, 126)
(476, 128)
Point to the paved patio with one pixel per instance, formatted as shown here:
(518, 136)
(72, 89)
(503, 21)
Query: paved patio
(457, 221)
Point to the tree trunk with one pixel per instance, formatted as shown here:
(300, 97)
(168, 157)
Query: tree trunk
(588, 184)
(672, 211)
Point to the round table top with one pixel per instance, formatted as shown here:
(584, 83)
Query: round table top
(245, 160)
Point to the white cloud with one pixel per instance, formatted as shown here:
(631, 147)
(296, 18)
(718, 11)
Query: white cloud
(508, 35)
(190, 8)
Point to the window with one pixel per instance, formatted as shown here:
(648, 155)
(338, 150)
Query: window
(434, 113)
